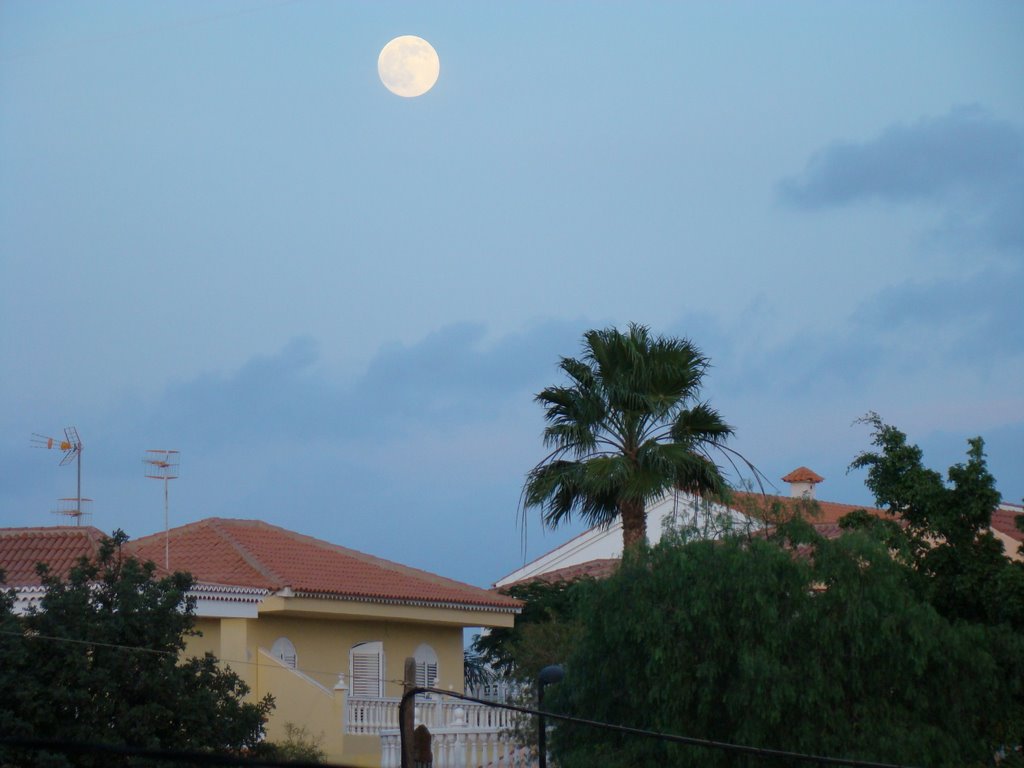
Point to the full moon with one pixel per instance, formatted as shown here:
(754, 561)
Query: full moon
(408, 66)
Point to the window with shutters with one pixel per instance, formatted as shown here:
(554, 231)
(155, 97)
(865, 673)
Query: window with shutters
(285, 651)
(366, 662)
(426, 666)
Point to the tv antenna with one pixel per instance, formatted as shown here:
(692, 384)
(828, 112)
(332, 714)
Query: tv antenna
(163, 465)
(72, 447)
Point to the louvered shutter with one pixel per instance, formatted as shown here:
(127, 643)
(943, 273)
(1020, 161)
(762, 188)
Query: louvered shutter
(426, 673)
(285, 651)
(367, 671)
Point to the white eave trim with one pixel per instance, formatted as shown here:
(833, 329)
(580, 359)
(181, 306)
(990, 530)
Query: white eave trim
(222, 601)
(228, 593)
(413, 603)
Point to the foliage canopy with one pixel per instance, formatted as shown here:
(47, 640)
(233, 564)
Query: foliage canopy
(543, 633)
(900, 641)
(100, 661)
(944, 536)
(739, 641)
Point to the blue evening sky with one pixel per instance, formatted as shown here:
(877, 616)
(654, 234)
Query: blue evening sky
(219, 233)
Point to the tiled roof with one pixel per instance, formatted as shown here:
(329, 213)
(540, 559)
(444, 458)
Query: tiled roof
(828, 511)
(1003, 520)
(594, 569)
(803, 475)
(60, 547)
(251, 553)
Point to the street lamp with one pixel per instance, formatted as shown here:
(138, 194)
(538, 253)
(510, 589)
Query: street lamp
(553, 673)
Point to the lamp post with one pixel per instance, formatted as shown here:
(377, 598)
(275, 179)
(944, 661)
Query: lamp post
(553, 673)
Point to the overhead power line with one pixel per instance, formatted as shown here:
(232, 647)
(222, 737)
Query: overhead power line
(183, 757)
(670, 737)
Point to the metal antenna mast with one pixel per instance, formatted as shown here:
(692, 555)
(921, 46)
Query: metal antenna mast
(163, 465)
(72, 447)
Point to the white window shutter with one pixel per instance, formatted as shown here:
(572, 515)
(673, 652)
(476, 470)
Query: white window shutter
(367, 671)
(426, 666)
(285, 651)
(426, 674)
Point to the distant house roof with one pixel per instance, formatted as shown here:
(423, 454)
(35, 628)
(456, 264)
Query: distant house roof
(827, 511)
(1004, 520)
(825, 519)
(803, 475)
(594, 569)
(60, 547)
(251, 553)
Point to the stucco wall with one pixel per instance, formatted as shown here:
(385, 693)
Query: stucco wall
(322, 654)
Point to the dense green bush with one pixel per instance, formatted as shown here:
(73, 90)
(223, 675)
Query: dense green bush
(832, 653)
(101, 662)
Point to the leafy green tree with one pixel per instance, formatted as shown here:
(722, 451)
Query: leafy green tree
(627, 428)
(101, 661)
(941, 529)
(740, 641)
(543, 633)
(475, 671)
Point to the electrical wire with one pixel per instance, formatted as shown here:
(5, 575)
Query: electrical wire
(674, 738)
(135, 648)
(184, 757)
(670, 737)
(142, 649)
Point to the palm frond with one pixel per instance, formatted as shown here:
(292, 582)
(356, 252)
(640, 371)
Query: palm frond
(625, 428)
(700, 424)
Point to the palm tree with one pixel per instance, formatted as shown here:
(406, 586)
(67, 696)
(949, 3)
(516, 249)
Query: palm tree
(627, 429)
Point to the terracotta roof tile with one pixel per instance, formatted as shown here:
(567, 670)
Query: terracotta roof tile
(252, 553)
(803, 475)
(60, 547)
(1004, 521)
(594, 569)
(828, 511)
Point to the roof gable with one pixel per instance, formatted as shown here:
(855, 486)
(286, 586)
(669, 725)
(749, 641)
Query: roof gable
(252, 553)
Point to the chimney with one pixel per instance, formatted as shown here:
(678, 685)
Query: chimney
(801, 482)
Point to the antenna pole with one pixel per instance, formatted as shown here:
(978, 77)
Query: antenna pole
(163, 465)
(78, 517)
(167, 530)
(72, 447)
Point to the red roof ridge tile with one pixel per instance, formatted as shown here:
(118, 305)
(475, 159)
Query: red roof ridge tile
(218, 525)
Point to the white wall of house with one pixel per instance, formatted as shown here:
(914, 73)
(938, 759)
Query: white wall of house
(671, 513)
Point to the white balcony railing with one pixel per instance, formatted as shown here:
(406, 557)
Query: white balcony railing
(460, 746)
(371, 716)
(464, 734)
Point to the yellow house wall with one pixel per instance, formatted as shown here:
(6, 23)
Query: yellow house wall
(322, 641)
(303, 703)
(209, 640)
(322, 646)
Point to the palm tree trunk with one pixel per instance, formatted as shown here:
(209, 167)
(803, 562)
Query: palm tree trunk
(634, 524)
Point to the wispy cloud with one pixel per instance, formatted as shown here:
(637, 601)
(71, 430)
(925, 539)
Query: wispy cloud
(449, 377)
(966, 162)
(979, 318)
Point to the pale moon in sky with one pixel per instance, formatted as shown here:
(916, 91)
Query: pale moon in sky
(408, 66)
